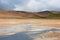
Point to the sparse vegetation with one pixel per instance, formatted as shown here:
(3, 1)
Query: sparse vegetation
(34, 15)
(50, 15)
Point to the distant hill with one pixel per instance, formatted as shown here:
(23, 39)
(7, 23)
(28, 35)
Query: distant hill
(23, 14)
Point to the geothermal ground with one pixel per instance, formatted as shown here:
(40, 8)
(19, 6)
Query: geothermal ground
(12, 26)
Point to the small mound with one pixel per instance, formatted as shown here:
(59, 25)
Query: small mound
(49, 36)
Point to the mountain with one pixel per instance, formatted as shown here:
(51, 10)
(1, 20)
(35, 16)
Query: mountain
(23, 14)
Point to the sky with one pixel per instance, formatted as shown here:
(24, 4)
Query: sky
(30, 5)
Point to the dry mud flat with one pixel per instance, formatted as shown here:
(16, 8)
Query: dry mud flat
(31, 22)
(11, 26)
(34, 23)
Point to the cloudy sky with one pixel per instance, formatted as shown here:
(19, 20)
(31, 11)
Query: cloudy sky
(30, 5)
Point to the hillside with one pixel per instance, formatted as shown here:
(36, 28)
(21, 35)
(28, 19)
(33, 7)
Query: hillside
(23, 14)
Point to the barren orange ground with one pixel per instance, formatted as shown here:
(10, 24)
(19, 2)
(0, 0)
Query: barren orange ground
(33, 22)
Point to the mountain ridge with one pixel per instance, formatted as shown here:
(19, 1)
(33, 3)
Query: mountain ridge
(24, 14)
